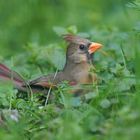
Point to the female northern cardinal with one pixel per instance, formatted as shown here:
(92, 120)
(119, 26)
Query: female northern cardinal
(76, 70)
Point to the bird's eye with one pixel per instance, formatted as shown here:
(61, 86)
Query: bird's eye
(82, 47)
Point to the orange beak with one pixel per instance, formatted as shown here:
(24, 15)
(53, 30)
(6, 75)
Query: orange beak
(94, 47)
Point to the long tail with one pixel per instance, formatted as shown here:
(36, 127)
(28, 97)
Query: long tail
(8, 75)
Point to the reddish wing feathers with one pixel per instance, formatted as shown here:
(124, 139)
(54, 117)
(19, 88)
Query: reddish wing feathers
(37, 85)
(45, 84)
(42, 81)
(7, 74)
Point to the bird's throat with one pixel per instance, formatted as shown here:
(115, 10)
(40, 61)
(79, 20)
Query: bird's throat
(76, 67)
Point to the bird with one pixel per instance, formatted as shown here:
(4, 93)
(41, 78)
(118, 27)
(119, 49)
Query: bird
(76, 71)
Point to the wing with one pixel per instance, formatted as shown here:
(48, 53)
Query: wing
(51, 80)
(43, 81)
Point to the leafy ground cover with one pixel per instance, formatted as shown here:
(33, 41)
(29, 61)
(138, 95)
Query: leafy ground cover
(109, 112)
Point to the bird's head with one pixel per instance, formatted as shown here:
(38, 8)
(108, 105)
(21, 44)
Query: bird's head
(79, 49)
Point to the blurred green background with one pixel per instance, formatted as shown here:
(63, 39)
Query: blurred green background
(26, 21)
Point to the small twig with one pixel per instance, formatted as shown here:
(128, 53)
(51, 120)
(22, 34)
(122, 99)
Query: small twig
(49, 91)
(12, 79)
(124, 57)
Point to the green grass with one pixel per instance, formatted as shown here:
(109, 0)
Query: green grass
(109, 112)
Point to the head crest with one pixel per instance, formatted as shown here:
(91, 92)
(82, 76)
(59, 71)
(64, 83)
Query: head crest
(74, 39)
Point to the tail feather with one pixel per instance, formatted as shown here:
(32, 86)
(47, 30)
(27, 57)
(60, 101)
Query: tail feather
(3, 67)
(7, 74)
